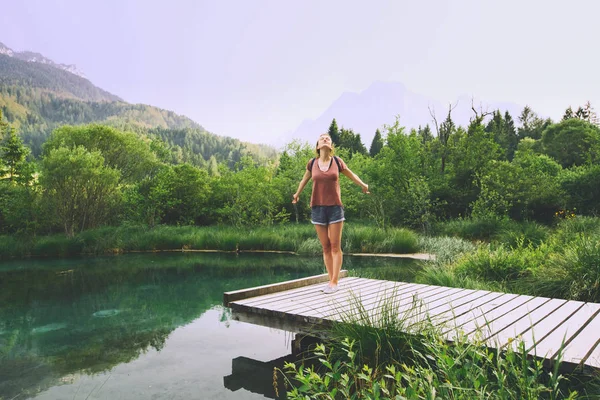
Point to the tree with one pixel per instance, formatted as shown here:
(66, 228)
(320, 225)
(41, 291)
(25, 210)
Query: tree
(13, 154)
(4, 127)
(568, 114)
(532, 126)
(176, 195)
(447, 128)
(334, 133)
(376, 144)
(572, 142)
(352, 142)
(79, 187)
(585, 113)
(125, 151)
(504, 133)
(425, 134)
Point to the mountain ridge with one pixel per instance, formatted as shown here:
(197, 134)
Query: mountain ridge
(36, 97)
(31, 56)
(368, 110)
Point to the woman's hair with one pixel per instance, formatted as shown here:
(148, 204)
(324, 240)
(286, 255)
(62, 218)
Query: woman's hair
(318, 151)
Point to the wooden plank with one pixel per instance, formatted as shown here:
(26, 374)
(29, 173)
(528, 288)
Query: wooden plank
(441, 306)
(290, 293)
(352, 295)
(318, 297)
(444, 315)
(584, 346)
(392, 293)
(486, 312)
(373, 306)
(283, 288)
(499, 339)
(547, 325)
(296, 295)
(550, 345)
(337, 300)
(485, 326)
(228, 297)
(285, 324)
(278, 308)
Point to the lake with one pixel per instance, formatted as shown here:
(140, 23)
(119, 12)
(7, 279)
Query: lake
(147, 326)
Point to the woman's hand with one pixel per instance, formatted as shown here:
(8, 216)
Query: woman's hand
(295, 198)
(365, 189)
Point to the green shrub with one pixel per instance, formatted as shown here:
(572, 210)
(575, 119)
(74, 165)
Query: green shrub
(519, 234)
(499, 265)
(572, 274)
(472, 228)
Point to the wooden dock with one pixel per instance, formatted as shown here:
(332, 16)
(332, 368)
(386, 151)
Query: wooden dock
(499, 319)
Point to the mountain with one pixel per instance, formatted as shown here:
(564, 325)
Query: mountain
(30, 56)
(369, 110)
(37, 95)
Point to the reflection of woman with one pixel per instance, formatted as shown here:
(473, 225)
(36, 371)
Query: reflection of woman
(326, 204)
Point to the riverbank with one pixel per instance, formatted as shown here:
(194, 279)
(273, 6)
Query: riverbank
(291, 238)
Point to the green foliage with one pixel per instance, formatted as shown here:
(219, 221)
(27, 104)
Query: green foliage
(248, 197)
(13, 156)
(351, 142)
(574, 272)
(79, 187)
(176, 195)
(526, 188)
(500, 264)
(581, 188)
(292, 164)
(365, 239)
(572, 142)
(122, 151)
(437, 370)
(504, 132)
(376, 144)
(196, 146)
(334, 133)
(532, 126)
(20, 209)
(484, 228)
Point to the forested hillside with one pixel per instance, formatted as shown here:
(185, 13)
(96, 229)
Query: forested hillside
(38, 98)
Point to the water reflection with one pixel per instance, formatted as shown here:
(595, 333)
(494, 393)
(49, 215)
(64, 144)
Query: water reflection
(62, 321)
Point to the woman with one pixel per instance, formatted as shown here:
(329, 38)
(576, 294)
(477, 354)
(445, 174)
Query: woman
(327, 210)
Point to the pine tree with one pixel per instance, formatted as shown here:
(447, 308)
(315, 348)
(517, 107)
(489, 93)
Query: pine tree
(13, 153)
(568, 114)
(334, 133)
(376, 144)
(511, 135)
(4, 127)
(592, 117)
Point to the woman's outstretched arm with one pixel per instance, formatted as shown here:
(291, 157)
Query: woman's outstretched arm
(303, 183)
(354, 178)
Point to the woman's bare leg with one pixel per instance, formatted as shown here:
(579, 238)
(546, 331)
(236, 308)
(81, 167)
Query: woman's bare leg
(322, 233)
(335, 243)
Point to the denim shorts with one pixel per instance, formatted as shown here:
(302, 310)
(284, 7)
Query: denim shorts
(325, 215)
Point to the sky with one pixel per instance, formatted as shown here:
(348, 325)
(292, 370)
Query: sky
(255, 69)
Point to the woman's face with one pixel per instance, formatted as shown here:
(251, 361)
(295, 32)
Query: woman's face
(324, 141)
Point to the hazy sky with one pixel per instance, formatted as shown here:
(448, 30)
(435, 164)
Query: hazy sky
(255, 69)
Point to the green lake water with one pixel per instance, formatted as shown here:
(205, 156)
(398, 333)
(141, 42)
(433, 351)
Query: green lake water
(145, 326)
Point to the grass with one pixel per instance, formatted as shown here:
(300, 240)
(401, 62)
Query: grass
(300, 239)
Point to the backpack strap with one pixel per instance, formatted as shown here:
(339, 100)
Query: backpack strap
(338, 164)
(312, 162)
